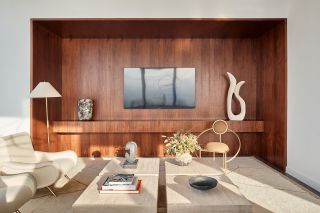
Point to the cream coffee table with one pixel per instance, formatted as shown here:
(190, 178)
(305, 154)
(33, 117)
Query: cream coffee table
(146, 201)
(146, 166)
(182, 198)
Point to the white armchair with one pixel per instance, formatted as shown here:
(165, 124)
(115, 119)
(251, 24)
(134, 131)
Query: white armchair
(15, 190)
(18, 156)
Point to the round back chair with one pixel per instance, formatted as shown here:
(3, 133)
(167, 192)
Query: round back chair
(219, 127)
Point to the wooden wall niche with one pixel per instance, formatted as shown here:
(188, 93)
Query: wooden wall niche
(46, 64)
(272, 95)
(91, 63)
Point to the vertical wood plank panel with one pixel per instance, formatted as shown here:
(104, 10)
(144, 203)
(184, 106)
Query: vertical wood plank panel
(272, 98)
(93, 68)
(46, 66)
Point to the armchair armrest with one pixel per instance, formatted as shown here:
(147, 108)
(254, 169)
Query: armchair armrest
(26, 167)
(53, 156)
(45, 173)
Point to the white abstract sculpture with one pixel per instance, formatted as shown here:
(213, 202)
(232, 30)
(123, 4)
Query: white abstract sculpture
(131, 156)
(234, 88)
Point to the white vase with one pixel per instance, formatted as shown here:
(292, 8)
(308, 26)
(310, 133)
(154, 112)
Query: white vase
(234, 88)
(184, 159)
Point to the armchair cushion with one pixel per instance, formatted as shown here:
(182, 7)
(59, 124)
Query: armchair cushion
(64, 161)
(53, 156)
(45, 173)
(17, 147)
(217, 147)
(18, 156)
(15, 190)
(26, 167)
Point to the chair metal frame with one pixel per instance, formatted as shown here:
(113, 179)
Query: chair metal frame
(225, 161)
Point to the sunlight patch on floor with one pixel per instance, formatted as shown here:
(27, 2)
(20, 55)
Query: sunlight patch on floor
(266, 188)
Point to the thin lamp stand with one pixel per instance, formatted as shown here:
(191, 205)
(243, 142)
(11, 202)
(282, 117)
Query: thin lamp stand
(45, 90)
(48, 133)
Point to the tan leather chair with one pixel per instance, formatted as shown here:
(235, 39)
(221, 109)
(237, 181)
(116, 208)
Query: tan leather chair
(219, 127)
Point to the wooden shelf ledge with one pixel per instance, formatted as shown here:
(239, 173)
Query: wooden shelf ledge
(144, 126)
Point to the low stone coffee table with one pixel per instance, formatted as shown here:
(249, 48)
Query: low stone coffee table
(146, 201)
(198, 166)
(146, 166)
(93, 202)
(182, 198)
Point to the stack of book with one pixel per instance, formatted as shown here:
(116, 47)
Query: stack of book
(121, 183)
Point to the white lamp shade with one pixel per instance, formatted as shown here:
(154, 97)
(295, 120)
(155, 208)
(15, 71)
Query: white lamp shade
(44, 90)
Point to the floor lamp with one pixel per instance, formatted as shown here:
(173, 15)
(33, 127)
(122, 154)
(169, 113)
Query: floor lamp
(45, 90)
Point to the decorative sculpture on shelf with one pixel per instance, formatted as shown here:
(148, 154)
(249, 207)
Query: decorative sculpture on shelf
(130, 162)
(234, 88)
(85, 109)
(131, 156)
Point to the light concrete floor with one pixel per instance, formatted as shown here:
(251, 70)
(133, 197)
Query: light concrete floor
(267, 189)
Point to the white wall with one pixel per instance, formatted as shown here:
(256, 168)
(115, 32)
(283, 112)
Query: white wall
(304, 91)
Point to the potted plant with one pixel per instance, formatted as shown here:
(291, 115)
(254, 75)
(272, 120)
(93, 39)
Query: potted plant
(181, 145)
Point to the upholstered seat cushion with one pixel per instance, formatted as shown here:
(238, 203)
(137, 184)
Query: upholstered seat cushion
(17, 148)
(46, 173)
(18, 156)
(64, 166)
(15, 190)
(54, 156)
(64, 162)
(216, 147)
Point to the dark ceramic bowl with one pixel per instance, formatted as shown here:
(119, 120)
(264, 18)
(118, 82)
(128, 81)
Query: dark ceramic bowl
(203, 182)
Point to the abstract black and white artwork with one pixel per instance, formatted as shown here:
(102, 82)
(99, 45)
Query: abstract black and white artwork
(159, 88)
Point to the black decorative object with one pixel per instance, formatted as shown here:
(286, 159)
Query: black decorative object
(203, 182)
(85, 108)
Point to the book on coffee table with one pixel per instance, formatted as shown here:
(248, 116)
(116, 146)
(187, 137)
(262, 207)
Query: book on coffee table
(119, 179)
(111, 191)
(132, 186)
(127, 165)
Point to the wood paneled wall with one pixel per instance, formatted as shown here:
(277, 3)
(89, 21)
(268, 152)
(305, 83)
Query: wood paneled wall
(93, 68)
(46, 66)
(272, 95)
